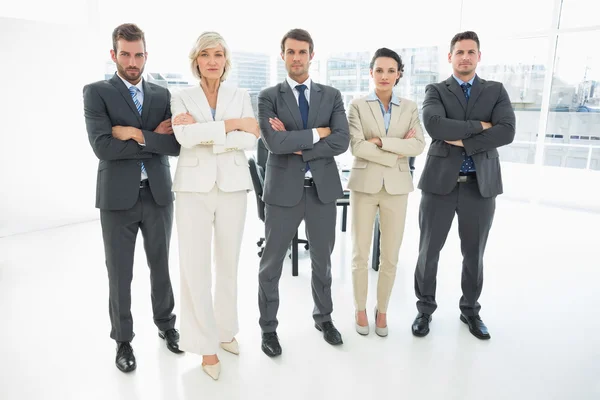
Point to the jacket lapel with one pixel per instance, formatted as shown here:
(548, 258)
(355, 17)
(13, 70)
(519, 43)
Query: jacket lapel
(224, 99)
(476, 89)
(148, 94)
(290, 101)
(314, 105)
(121, 88)
(198, 98)
(376, 111)
(457, 90)
(397, 111)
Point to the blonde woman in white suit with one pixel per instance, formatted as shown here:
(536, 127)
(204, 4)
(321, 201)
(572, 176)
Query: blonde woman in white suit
(214, 125)
(385, 131)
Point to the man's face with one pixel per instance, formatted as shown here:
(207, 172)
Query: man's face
(464, 58)
(297, 59)
(130, 59)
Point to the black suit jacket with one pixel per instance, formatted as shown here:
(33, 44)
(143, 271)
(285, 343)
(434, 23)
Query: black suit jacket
(107, 104)
(447, 116)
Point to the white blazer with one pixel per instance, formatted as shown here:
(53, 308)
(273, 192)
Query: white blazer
(209, 155)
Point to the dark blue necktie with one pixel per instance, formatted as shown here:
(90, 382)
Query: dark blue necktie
(303, 105)
(468, 165)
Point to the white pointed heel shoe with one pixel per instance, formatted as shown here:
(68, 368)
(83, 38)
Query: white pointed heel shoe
(382, 332)
(213, 370)
(361, 330)
(232, 347)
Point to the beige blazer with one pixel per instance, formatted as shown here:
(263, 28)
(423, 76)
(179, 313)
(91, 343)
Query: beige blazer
(375, 167)
(209, 155)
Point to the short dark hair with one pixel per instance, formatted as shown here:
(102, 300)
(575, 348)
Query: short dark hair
(128, 32)
(467, 35)
(385, 52)
(298, 34)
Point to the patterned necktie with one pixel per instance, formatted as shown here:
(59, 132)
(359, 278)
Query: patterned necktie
(133, 92)
(465, 88)
(303, 105)
(468, 165)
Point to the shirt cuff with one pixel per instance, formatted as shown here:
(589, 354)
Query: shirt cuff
(143, 144)
(316, 136)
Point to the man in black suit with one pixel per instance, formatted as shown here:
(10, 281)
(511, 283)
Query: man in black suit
(129, 128)
(468, 118)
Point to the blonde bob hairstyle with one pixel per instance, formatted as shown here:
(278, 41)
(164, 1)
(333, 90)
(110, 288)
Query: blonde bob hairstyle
(209, 40)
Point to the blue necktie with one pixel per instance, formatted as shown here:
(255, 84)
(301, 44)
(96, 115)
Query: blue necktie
(468, 165)
(133, 92)
(303, 105)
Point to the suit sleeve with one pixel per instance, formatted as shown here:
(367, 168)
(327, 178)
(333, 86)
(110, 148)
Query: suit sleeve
(199, 133)
(277, 142)
(338, 141)
(362, 148)
(239, 140)
(407, 147)
(438, 125)
(160, 143)
(99, 129)
(502, 131)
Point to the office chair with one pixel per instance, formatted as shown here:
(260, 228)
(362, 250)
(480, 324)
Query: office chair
(257, 173)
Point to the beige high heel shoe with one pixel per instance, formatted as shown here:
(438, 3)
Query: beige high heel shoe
(383, 332)
(232, 347)
(361, 330)
(212, 370)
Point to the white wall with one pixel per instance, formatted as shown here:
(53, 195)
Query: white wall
(47, 167)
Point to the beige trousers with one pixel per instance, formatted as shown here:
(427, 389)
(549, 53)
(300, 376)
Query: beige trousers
(392, 216)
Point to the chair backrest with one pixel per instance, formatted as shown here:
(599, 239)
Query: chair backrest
(261, 154)
(258, 181)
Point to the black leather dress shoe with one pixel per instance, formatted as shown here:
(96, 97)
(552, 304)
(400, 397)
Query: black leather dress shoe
(330, 333)
(125, 360)
(476, 326)
(270, 344)
(171, 336)
(420, 326)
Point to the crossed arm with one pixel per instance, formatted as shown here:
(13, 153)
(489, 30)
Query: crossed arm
(123, 142)
(223, 136)
(333, 139)
(474, 136)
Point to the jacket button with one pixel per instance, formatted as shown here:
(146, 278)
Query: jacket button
(302, 170)
(139, 163)
(463, 153)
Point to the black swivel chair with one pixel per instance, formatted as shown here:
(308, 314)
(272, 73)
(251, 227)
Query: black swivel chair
(257, 172)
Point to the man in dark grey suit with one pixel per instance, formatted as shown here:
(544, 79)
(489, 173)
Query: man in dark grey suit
(468, 118)
(129, 128)
(303, 125)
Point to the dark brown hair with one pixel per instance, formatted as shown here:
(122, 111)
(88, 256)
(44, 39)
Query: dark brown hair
(467, 35)
(128, 32)
(298, 34)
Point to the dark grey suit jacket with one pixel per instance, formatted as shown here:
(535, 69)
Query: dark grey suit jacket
(447, 116)
(284, 179)
(107, 104)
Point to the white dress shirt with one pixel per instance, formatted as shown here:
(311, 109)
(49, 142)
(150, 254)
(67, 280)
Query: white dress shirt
(293, 85)
(140, 97)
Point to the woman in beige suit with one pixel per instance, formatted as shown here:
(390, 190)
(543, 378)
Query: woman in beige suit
(214, 125)
(385, 130)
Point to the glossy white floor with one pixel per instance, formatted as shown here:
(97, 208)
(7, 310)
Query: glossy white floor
(540, 301)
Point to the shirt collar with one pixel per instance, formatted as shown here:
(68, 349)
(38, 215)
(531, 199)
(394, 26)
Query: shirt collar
(373, 97)
(139, 85)
(293, 83)
(460, 82)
